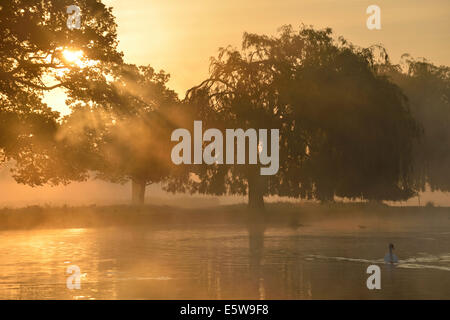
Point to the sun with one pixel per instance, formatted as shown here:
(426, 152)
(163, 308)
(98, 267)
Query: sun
(74, 56)
(78, 58)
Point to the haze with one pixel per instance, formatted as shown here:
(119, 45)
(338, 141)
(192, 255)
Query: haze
(181, 36)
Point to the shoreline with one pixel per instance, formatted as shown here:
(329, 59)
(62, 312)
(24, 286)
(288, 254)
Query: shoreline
(280, 214)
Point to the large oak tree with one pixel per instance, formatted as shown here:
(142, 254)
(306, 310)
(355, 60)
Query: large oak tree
(35, 58)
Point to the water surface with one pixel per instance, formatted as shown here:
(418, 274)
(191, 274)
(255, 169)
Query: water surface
(223, 261)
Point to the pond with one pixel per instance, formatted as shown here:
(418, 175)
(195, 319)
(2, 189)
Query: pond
(222, 261)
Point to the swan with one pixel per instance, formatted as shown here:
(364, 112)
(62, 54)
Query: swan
(390, 257)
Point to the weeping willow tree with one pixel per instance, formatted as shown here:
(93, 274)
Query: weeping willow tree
(427, 87)
(345, 129)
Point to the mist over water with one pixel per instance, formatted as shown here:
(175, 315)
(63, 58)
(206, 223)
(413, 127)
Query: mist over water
(312, 258)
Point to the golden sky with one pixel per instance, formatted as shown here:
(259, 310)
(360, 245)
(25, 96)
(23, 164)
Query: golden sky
(180, 36)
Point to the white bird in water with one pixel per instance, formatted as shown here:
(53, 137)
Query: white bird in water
(390, 257)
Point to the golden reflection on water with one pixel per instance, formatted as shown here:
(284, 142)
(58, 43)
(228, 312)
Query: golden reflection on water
(214, 262)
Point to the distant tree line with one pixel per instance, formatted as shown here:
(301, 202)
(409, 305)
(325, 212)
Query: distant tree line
(351, 123)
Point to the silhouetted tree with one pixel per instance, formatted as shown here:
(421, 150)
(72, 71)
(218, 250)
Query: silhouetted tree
(344, 129)
(358, 125)
(33, 60)
(124, 136)
(428, 89)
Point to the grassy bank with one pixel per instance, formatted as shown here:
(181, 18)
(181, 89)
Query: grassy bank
(275, 214)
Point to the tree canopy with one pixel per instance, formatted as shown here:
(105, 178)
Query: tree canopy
(123, 136)
(35, 58)
(345, 130)
(428, 90)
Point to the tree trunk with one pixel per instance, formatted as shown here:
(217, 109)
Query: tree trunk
(255, 191)
(325, 193)
(137, 191)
